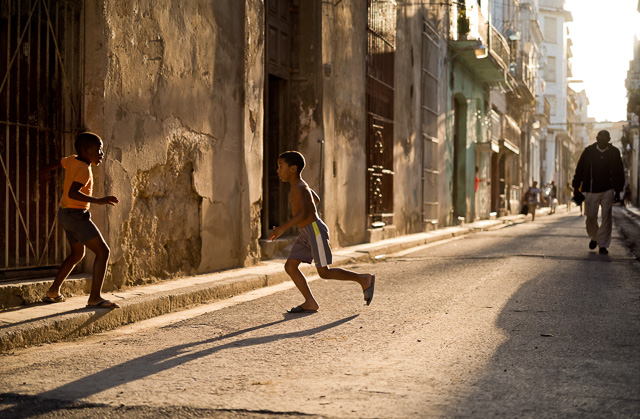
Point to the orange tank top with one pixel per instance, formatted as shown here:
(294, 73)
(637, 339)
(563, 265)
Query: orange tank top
(76, 171)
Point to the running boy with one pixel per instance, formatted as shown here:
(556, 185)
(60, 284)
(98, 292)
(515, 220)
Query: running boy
(313, 239)
(75, 219)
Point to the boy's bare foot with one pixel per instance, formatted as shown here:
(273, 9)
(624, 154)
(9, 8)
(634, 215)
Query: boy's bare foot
(103, 304)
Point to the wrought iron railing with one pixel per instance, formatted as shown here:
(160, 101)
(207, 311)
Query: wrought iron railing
(523, 74)
(544, 108)
(498, 46)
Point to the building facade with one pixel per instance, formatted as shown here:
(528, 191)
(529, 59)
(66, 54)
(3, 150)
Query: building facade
(411, 115)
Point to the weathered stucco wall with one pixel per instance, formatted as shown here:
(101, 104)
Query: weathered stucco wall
(408, 144)
(344, 119)
(306, 98)
(175, 91)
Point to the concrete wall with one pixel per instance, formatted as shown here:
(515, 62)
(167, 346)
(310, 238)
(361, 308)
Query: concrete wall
(175, 90)
(408, 147)
(344, 119)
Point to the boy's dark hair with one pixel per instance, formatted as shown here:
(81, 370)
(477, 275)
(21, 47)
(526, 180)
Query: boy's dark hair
(293, 158)
(86, 139)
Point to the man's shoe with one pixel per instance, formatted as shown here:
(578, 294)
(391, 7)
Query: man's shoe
(593, 244)
(604, 251)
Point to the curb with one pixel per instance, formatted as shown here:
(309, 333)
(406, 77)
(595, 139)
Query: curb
(40, 324)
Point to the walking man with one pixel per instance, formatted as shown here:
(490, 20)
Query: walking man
(601, 175)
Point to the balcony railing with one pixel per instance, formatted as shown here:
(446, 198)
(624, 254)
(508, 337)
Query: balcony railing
(521, 72)
(498, 46)
(543, 108)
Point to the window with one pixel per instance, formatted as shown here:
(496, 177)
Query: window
(550, 69)
(553, 104)
(550, 30)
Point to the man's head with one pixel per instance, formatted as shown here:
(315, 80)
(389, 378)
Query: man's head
(603, 138)
(89, 147)
(293, 158)
(535, 184)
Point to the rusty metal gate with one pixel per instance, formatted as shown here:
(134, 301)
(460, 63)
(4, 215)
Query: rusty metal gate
(381, 48)
(40, 96)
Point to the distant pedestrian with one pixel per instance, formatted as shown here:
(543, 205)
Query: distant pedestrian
(568, 191)
(313, 236)
(627, 195)
(533, 194)
(601, 174)
(553, 197)
(74, 217)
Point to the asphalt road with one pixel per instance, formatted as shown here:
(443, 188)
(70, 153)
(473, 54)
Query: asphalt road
(519, 322)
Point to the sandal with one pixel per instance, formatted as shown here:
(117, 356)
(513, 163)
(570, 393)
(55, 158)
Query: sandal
(51, 300)
(104, 304)
(368, 293)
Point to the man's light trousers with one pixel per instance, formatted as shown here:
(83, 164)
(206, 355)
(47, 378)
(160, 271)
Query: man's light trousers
(600, 233)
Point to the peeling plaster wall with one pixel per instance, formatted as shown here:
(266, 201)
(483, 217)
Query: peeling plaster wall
(306, 130)
(344, 119)
(408, 145)
(175, 88)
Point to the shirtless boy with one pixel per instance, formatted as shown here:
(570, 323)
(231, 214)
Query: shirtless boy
(313, 238)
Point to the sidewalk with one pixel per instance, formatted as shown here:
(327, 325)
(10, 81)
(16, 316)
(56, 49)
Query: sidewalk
(39, 323)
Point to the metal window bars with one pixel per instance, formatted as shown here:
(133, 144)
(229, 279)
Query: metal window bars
(40, 95)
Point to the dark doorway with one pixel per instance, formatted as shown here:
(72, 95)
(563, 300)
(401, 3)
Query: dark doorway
(275, 206)
(498, 184)
(40, 108)
(459, 192)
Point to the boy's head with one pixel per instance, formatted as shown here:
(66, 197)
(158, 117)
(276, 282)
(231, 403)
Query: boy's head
(293, 158)
(89, 147)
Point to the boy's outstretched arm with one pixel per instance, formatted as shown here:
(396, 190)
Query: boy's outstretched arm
(76, 194)
(44, 172)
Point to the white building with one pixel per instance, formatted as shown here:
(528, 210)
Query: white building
(555, 69)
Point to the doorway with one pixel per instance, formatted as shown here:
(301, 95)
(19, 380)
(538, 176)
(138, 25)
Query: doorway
(459, 189)
(275, 205)
(40, 108)
(380, 91)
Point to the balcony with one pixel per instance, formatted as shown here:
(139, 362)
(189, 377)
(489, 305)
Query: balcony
(490, 69)
(543, 111)
(525, 79)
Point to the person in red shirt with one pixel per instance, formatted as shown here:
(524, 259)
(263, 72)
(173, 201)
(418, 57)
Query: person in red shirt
(74, 217)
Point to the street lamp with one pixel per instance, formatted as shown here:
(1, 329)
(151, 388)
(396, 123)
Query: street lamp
(480, 50)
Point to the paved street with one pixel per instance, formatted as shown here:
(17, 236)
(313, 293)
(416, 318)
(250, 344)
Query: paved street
(524, 321)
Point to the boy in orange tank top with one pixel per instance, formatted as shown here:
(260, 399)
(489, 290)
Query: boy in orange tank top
(74, 217)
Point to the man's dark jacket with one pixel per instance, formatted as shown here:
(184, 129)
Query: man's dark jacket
(599, 171)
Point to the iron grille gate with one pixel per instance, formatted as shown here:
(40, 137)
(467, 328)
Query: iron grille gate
(40, 96)
(430, 98)
(381, 47)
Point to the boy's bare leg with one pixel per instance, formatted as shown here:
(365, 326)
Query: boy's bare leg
(291, 267)
(101, 250)
(345, 275)
(77, 253)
